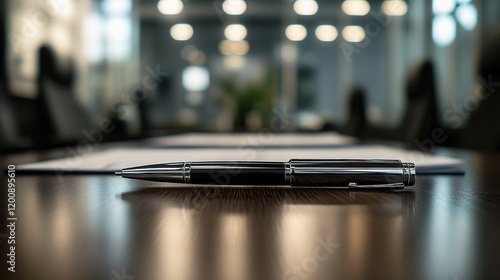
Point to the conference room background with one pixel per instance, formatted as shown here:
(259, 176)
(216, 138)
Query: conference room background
(130, 68)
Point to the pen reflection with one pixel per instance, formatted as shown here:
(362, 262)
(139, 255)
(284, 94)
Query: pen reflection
(241, 233)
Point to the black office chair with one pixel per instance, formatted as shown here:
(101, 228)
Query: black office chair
(8, 130)
(356, 122)
(482, 128)
(60, 114)
(420, 117)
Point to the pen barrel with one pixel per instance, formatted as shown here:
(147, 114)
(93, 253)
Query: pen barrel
(350, 173)
(237, 173)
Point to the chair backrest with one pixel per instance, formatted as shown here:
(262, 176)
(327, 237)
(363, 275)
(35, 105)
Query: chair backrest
(59, 113)
(8, 129)
(482, 128)
(421, 116)
(8, 126)
(356, 122)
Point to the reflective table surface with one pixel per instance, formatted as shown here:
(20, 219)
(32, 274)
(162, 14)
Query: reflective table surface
(105, 227)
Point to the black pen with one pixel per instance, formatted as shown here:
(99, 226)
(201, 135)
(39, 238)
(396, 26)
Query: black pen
(329, 173)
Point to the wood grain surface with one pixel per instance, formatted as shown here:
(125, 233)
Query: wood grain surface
(105, 227)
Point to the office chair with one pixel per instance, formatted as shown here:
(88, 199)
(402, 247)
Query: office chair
(356, 122)
(59, 112)
(482, 128)
(420, 117)
(8, 131)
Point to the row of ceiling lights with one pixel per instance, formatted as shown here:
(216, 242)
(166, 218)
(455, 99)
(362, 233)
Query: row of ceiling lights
(301, 7)
(294, 32)
(235, 46)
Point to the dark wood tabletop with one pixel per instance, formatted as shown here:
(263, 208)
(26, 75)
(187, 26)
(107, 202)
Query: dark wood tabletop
(105, 227)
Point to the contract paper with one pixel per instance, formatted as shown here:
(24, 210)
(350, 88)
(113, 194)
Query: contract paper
(111, 160)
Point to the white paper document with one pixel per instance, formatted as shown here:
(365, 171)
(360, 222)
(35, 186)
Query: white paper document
(242, 140)
(115, 159)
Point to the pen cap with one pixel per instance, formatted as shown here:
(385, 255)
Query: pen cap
(350, 173)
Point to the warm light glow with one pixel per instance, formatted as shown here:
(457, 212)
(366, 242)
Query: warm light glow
(170, 7)
(295, 32)
(394, 7)
(353, 33)
(326, 33)
(187, 50)
(356, 7)
(234, 61)
(443, 6)
(289, 53)
(234, 7)
(195, 78)
(467, 16)
(235, 32)
(196, 57)
(305, 7)
(443, 30)
(181, 32)
(227, 47)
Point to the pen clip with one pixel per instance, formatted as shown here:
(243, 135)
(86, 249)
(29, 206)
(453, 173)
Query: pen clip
(354, 185)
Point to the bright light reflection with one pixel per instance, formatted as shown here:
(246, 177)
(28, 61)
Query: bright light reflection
(467, 16)
(117, 7)
(234, 7)
(227, 47)
(394, 7)
(305, 7)
(197, 57)
(174, 244)
(295, 32)
(170, 7)
(234, 61)
(353, 33)
(118, 32)
(443, 6)
(443, 30)
(288, 53)
(181, 32)
(195, 78)
(326, 33)
(235, 32)
(92, 26)
(356, 7)
(233, 252)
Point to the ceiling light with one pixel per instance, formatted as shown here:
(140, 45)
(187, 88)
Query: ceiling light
(467, 16)
(170, 7)
(394, 7)
(353, 33)
(305, 7)
(356, 7)
(181, 32)
(443, 6)
(326, 33)
(234, 7)
(295, 32)
(443, 30)
(195, 78)
(235, 32)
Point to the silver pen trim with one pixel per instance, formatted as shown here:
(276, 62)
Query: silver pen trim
(335, 173)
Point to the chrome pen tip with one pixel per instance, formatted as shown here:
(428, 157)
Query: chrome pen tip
(118, 173)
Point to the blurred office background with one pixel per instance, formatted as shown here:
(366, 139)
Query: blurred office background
(134, 68)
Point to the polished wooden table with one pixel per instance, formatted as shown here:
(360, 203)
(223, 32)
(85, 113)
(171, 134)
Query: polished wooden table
(105, 227)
